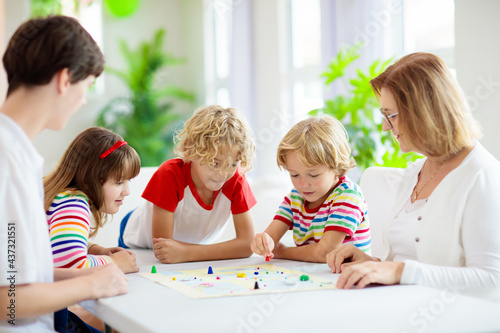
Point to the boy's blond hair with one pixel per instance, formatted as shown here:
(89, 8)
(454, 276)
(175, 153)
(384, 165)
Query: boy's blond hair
(318, 140)
(212, 130)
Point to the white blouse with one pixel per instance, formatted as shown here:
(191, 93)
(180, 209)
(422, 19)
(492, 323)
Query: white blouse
(457, 240)
(401, 232)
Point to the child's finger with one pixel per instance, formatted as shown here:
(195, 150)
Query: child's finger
(261, 246)
(267, 246)
(347, 264)
(258, 245)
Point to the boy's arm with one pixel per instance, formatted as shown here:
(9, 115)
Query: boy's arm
(36, 299)
(170, 251)
(315, 252)
(264, 243)
(276, 230)
(162, 223)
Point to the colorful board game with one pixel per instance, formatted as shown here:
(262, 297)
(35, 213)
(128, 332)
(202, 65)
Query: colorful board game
(238, 281)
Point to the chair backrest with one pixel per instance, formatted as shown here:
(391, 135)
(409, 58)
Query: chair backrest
(379, 186)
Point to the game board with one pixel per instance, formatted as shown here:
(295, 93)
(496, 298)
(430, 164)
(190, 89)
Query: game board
(224, 281)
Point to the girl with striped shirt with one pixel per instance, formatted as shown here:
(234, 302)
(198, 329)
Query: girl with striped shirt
(325, 209)
(91, 181)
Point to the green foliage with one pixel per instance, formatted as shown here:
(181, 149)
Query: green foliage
(145, 119)
(358, 111)
(43, 8)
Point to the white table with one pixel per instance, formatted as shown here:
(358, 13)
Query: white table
(150, 307)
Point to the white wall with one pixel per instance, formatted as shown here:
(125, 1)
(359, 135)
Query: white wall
(18, 11)
(477, 56)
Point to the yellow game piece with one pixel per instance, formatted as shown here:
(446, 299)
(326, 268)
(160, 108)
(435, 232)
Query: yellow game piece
(173, 279)
(241, 275)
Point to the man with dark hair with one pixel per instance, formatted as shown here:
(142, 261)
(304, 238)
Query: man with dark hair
(42, 47)
(50, 65)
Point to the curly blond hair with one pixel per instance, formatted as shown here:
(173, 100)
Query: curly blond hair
(318, 140)
(213, 130)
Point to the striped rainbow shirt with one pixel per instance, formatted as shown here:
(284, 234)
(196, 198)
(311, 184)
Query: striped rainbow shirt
(69, 225)
(343, 210)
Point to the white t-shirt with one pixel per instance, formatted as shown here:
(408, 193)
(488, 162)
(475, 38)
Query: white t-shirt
(172, 188)
(23, 226)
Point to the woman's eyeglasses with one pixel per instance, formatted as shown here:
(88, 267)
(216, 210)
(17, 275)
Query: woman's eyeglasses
(388, 117)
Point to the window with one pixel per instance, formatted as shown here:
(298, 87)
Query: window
(218, 23)
(306, 85)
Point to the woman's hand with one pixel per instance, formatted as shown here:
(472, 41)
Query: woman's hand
(169, 251)
(263, 245)
(360, 275)
(125, 260)
(345, 256)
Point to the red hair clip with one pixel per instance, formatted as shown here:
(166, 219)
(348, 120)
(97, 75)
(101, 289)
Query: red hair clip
(117, 145)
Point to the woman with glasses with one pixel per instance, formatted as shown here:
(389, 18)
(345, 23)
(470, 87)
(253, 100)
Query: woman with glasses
(444, 226)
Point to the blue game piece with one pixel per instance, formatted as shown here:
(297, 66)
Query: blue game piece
(210, 271)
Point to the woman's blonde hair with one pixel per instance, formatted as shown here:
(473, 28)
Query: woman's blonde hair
(432, 110)
(213, 130)
(318, 140)
(81, 169)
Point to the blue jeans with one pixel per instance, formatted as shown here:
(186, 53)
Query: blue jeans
(123, 224)
(67, 322)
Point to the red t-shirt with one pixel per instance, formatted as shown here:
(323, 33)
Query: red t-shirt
(172, 188)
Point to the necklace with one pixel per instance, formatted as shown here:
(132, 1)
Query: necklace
(416, 191)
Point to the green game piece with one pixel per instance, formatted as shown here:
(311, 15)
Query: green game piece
(304, 278)
(153, 269)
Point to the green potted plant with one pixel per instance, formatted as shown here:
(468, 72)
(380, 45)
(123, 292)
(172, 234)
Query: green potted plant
(146, 118)
(358, 111)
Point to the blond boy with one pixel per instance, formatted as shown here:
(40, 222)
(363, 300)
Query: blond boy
(190, 198)
(325, 209)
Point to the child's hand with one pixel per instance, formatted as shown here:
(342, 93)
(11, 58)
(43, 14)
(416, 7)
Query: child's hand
(104, 251)
(168, 251)
(263, 245)
(125, 260)
(107, 280)
(112, 250)
(345, 256)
